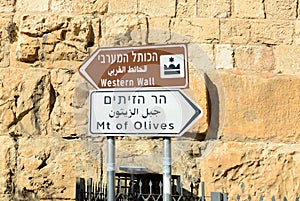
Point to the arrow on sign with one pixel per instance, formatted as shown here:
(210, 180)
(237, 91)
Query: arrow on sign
(163, 113)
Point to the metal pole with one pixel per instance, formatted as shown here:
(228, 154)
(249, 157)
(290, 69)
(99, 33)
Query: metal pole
(110, 168)
(167, 169)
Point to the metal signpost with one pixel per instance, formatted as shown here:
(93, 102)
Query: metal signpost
(133, 110)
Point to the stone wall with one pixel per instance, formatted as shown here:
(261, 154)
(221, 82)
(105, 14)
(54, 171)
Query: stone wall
(244, 71)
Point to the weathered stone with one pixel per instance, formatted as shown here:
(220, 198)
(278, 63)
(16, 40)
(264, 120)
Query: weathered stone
(159, 30)
(50, 171)
(123, 30)
(7, 167)
(70, 112)
(235, 31)
(272, 31)
(186, 8)
(261, 107)
(281, 9)
(79, 6)
(254, 58)
(198, 30)
(25, 101)
(7, 6)
(239, 31)
(253, 169)
(224, 56)
(297, 32)
(7, 34)
(129, 6)
(151, 8)
(45, 39)
(201, 56)
(216, 9)
(248, 9)
(198, 92)
(287, 59)
(32, 5)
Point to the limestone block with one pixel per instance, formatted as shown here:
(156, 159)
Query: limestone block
(33, 5)
(281, 9)
(224, 56)
(69, 116)
(245, 168)
(287, 59)
(7, 6)
(201, 56)
(129, 6)
(45, 39)
(272, 31)
(25, 101)
(235, 31)
(198, 30)
(248, 9)
(239, 31)
(48, 167)
(79, 6)
(261, 107)
(158, 30)
(7, 33)
(297, 32)
(186, 8)
(123, 30)
(7, 166)
(213, 9)
(198, 92)
(157, 7)
(254, 58)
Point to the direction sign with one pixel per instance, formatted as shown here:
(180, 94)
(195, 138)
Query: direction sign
(141, 112)
(137, 67)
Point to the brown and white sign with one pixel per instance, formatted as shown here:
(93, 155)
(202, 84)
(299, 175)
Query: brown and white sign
(135, 67)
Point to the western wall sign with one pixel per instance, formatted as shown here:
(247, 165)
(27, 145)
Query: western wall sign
(137, 67)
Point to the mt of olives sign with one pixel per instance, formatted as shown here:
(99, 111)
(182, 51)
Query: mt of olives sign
(137, 67)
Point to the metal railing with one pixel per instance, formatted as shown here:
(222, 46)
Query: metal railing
(130, 190)
(138, 190)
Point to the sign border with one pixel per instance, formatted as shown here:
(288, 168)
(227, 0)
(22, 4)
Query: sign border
(87, 61)
(198, 114)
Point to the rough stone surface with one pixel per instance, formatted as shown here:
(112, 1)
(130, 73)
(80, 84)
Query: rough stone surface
(7, 166)
(7, 35)
(25, 105)
(79, 6)
(224, 56)
(198, 30)
(124, 30)
(239, 31)
(287, 59)
(248, 9)
(46, 172)
(215, 9)
(186, 8)
(46, 39)
(261, 107)
(129, 6)
(165, 8)
(32, 5)
(297, 32)
(252, 169)
(159, 30)
(254, 58)
(7, 6)
(281, 9)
